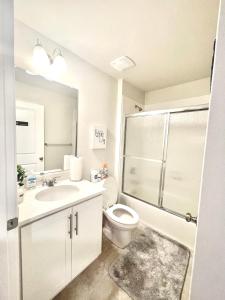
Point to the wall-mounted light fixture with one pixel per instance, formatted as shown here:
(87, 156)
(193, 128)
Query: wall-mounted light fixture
(51, 66)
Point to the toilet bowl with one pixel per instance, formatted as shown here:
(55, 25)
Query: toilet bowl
(119, 219)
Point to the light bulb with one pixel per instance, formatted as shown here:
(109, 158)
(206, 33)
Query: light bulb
(40, 59)
(58, 67)
(59, 64)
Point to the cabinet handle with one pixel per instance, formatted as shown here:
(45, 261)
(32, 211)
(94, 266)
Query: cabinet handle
(76, 228)
(71, 226)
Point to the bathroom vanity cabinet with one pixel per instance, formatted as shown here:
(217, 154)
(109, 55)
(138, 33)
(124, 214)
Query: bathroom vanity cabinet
(56, 248)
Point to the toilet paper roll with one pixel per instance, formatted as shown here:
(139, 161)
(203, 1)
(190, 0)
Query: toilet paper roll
(66, 163)
(76, 168)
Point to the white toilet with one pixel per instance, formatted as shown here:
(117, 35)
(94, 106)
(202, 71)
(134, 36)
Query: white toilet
(119, 220)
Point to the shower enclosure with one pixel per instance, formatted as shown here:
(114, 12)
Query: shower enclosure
(163, 156)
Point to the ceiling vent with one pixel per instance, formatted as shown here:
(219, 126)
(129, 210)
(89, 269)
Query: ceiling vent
(122, 63)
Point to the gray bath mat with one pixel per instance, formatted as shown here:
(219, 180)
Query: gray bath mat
(152, 268)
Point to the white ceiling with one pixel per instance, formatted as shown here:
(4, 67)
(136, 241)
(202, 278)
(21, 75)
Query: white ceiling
(170, 41)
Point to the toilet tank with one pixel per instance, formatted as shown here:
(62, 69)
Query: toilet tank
(110, 194)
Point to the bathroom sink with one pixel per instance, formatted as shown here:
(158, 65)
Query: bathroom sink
(57, 193)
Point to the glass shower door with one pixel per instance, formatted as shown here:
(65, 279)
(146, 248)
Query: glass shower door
(184, 161)
(143, 155)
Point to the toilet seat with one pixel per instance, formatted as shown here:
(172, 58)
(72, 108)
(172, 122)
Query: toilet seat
(122, 214)
(119, 221)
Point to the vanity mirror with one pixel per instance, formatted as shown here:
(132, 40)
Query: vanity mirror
(46, 122)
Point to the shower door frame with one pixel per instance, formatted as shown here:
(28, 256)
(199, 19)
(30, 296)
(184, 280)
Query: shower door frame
(166, 112)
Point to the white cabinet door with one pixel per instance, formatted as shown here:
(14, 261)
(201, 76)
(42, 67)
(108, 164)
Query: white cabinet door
(46, 256)
(87, 234)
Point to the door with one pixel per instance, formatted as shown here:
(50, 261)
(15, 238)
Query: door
(46, 256)
(30, 135)
(185, 152)
(209, 262)
(9, 255)
(87, 234)
(143, 156)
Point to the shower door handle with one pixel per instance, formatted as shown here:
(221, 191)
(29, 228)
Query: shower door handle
(189, 218)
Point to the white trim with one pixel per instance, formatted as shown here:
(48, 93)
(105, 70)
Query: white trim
(209, 261)
(9, 259)
(118, 132)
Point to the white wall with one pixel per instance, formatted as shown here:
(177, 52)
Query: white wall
(133, 92)
(182, 95)
(186, 102)
(132, 96)
(187, 94)
(97, 94)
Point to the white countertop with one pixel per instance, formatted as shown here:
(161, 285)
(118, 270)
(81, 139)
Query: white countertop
(32, 209)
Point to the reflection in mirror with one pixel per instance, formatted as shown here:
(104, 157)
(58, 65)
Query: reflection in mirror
(46, 122)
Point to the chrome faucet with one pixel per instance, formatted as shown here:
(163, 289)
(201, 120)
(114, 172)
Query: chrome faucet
(49, 181)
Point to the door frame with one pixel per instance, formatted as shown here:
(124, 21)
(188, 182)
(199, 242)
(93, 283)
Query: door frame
(209, 260)
(9, 251)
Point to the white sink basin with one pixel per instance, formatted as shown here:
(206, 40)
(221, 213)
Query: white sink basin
(57, 193)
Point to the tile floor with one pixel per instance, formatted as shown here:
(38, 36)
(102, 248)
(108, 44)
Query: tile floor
(94, 283)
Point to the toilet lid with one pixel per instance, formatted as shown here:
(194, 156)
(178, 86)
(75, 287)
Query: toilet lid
(111, 192)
